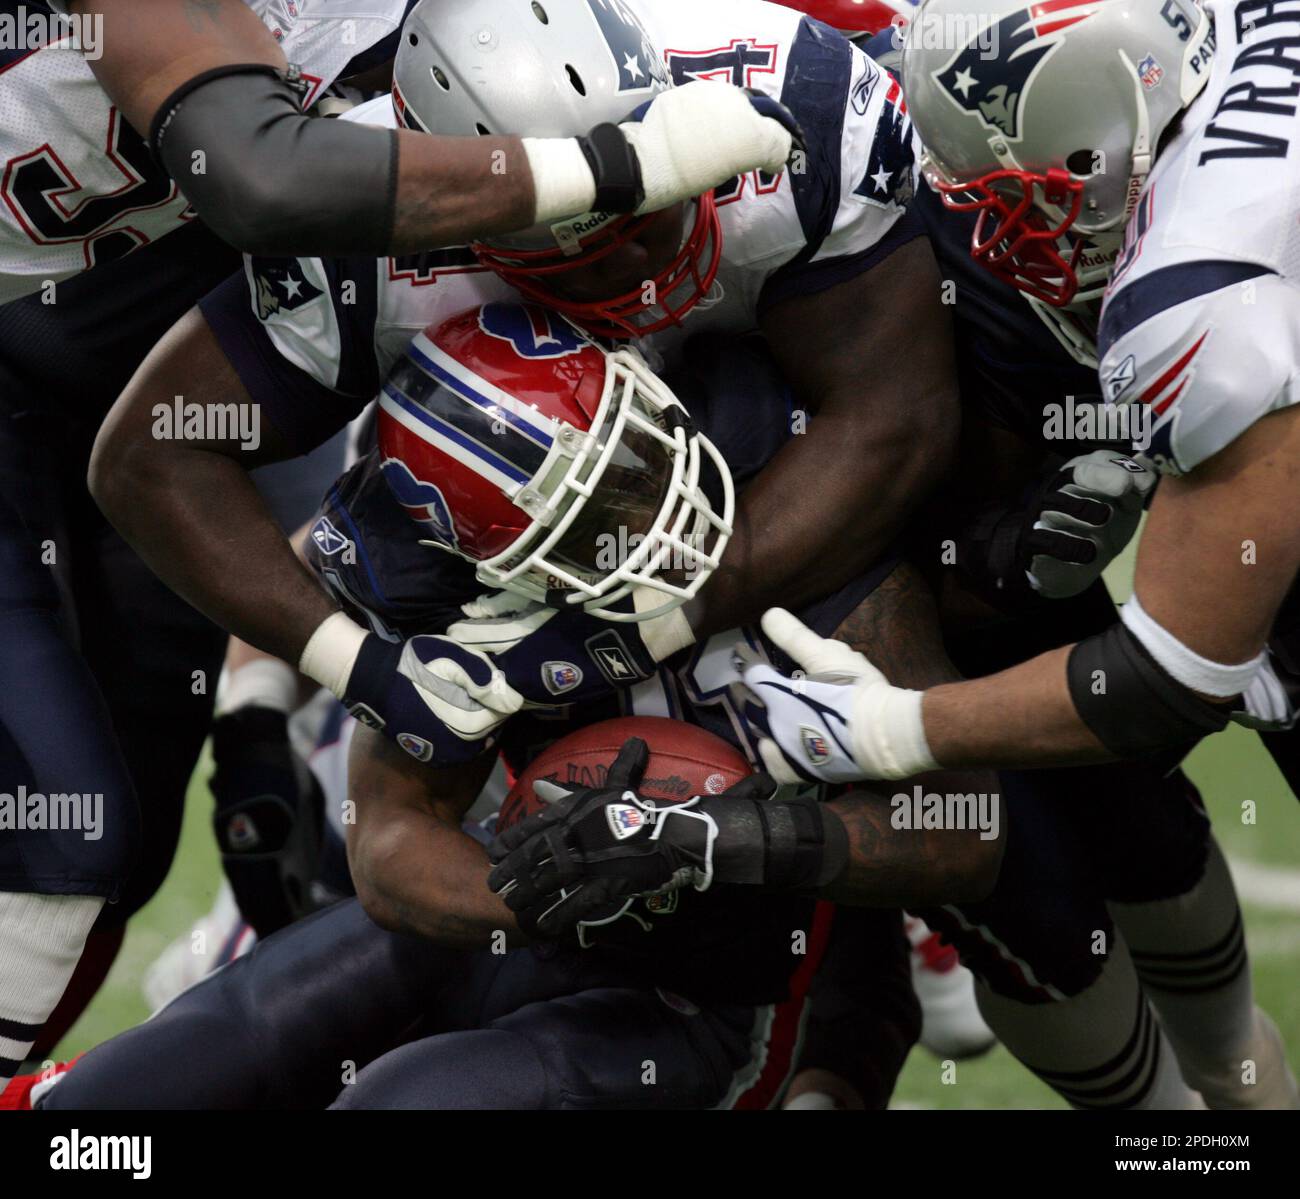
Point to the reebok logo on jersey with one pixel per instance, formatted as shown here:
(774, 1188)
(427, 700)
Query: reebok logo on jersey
(611, 656)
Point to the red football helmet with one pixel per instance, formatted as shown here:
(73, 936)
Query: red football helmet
(568, 473)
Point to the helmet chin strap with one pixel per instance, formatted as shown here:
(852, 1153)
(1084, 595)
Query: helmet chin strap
(1142, 151)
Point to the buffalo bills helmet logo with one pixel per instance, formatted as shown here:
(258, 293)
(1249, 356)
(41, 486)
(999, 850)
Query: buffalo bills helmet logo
(534, 332)
(423, 501)
(639, 65)
(990, 74)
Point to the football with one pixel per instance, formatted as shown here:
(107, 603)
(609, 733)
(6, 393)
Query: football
(684, 761)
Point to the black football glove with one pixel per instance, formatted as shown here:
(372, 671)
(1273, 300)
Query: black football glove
(593, 851)
(269, 817)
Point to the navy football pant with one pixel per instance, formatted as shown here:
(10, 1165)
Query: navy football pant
(335, 998)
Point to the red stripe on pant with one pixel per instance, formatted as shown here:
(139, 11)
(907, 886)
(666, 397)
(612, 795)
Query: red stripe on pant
(784, 1036)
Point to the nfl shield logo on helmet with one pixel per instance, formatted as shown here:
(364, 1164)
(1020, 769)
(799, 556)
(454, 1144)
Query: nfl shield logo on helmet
(624, 820)
(1150, 72)
(560, 677)
(815, 746)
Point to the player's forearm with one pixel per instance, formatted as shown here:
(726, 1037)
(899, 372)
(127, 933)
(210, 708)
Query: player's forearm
(1024, 716)
(893, 861)
(821, 513)
(196, 519)
(451, 190)
(417, 874)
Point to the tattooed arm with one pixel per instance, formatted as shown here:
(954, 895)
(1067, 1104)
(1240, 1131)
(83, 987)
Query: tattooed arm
(897, 625)
(415, 869)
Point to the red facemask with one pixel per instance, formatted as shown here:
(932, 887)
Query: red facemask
(678, 287)
(1015, 241)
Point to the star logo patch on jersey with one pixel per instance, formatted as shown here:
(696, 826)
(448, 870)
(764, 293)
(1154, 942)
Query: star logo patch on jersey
(281, 286)
(990, 74)
(889, 165)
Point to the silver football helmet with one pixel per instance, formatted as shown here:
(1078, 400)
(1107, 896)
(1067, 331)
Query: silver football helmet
(553, 68)
(1045, 118)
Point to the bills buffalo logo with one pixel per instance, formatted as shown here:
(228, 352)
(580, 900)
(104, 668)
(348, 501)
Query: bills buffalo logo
(423, 501)
(534, 332)
(990, 74)
(282, 286)
(630, 46)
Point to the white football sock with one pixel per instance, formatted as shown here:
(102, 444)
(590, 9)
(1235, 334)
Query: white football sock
(1101, 1048)
(1190, 952)
(41, 939)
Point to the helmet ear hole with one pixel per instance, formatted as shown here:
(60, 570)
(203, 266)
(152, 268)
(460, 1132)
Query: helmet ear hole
(413, 38)
(540, 13)
(439, 78)
(1082, 162)
(576, 80)
(482, 129)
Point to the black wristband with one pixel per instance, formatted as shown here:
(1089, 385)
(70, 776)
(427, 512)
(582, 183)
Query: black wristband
(616, 169)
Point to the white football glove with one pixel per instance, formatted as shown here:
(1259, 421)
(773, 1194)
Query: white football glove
(694, 137)
(837, 721)
(1268, 703)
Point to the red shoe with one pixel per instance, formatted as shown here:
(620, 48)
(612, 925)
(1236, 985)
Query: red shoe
(17, 1095)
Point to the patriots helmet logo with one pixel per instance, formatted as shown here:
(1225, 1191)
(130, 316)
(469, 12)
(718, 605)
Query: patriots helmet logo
(990, 74)
(534, 332)
(639, 66)
(423, 501)
(282, 286)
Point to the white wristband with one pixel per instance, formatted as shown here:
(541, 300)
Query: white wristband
(562, 178)
(888, 732)
(662, 635)
(262, 683)
(332, 651)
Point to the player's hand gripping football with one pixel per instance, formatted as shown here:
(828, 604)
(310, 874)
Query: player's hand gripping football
(439, 701)
(837, 720)
(591, 852)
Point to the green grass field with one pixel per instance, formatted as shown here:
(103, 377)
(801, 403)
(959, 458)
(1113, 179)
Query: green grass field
(1229, 769)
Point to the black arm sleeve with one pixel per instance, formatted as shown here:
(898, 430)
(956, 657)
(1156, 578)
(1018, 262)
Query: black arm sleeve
(268, 178)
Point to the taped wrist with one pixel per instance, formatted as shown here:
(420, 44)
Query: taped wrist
(788, 845)
(1133, 706)
(616, 169)
(270, 179)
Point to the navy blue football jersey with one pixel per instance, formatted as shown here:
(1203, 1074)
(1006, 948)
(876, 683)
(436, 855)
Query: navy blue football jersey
(730, 941)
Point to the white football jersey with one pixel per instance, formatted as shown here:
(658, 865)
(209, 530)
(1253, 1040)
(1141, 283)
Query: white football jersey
(1201, 323)
(78, 185)
(802, 230)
